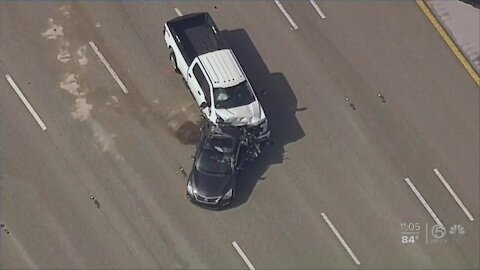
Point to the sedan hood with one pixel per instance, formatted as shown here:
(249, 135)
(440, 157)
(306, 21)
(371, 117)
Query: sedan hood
(251, 114)
(209, 185)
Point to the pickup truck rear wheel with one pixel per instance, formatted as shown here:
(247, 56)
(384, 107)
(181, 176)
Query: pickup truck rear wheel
(173, 61)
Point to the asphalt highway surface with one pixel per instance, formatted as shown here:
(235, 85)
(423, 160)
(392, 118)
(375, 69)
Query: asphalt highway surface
(364, 101)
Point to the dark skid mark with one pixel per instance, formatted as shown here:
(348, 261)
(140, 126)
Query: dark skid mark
(97, 203)
(381, 97)
(188, 133)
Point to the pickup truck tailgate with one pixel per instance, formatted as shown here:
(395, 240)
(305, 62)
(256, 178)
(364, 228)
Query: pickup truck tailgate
(195, 34)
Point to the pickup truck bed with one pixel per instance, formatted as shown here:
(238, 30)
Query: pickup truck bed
(195, 34)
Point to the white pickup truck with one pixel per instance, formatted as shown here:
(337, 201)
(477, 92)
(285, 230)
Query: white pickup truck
(213, 74)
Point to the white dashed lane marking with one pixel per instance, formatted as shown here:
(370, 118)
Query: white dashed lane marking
(285, 13)
(424, 202)
(244, 257)
(340, 238)
(25, 101)
(179, 13)
(317, 8)
(454, 195)
(109, 68)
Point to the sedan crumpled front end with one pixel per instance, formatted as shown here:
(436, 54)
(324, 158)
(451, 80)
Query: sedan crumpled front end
(210, 202)
(199, 198)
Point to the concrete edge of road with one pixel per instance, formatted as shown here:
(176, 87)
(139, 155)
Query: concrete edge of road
(440, 27)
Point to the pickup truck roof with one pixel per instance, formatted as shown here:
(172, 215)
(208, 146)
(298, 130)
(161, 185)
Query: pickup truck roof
(195, 34)
(222, 68)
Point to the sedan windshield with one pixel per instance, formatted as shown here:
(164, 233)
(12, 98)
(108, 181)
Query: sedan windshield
(214, 162)
(235, 96)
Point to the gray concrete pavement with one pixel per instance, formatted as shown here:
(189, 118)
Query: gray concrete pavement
(328, 158)
(418, 105)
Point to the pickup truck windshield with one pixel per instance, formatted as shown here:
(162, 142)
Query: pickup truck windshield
(231, 97)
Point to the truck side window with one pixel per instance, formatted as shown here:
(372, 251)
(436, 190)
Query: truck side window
(202, 81)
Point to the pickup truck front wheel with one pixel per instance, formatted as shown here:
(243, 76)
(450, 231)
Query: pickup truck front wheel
(173, 61)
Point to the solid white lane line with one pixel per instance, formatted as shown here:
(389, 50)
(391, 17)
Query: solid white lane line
(179, 13)
(244, 257)
(285, 13)
(317, 8)
(425, 204)
(109, 68)
(25, 101)
(454, 195)
(340, 238)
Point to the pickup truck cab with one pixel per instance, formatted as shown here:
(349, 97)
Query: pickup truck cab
(213, 74)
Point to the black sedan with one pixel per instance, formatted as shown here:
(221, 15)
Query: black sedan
(217, 162)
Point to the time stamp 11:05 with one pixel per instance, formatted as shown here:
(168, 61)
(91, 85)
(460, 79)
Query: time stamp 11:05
(434, 234)
(409, 232)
